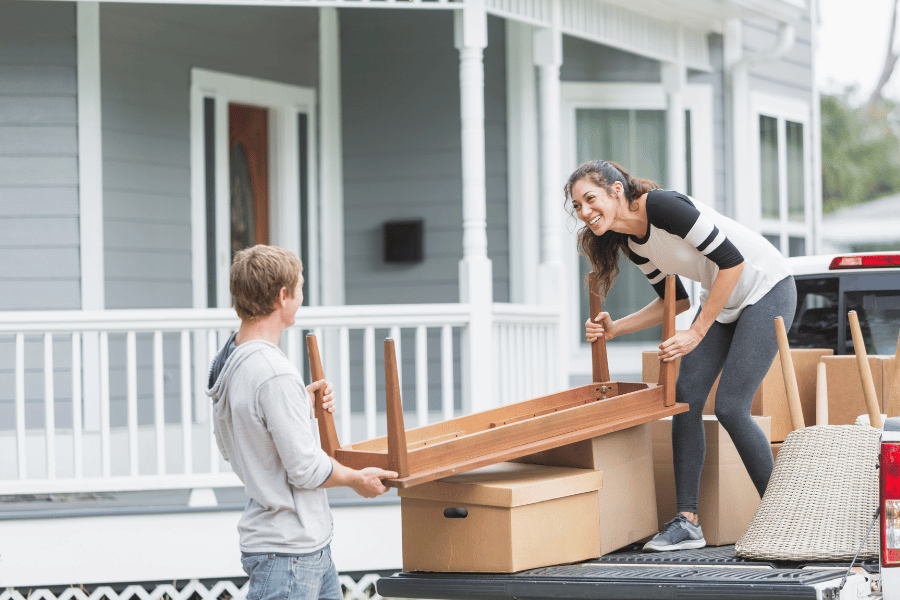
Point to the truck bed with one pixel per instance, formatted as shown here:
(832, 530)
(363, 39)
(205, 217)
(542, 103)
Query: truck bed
(712, 573)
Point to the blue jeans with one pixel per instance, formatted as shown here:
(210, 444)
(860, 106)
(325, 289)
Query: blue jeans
(292, 576)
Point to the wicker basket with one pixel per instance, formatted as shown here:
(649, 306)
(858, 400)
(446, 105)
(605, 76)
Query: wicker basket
(821, 498)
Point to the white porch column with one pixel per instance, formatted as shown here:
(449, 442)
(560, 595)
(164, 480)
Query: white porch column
(739, 202)
(674, 76)
(331, 181)
(90, 198)
(523, 182)
(548, 58)
(331, 186)
(475, 280)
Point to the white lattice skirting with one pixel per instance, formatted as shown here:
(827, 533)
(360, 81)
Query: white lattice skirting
(364, 589)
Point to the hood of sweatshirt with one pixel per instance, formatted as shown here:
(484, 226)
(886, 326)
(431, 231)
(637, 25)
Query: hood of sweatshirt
(225, 362)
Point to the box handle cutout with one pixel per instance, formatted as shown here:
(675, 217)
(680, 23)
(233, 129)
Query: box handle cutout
(456, 513)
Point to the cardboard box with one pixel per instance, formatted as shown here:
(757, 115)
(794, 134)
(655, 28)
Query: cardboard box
(770, 399)
(728, 498)
(845, 391)
(650, 374)
(503, 518)
(628, 498)
(887, 370)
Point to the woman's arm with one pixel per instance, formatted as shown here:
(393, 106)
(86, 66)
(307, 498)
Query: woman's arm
(650, 315)
(684, 341)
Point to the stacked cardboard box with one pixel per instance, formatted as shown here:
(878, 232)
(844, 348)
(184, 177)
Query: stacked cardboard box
(503, 518)
(728, 497)
(771, 398)
(627, 499)
(845, 393)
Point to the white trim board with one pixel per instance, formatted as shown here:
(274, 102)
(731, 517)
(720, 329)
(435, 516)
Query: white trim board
(284, 102)
(522, 163)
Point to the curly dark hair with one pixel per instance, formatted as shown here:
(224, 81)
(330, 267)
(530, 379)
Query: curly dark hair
(603, 250)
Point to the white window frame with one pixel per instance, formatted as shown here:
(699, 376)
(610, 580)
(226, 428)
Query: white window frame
(284, 102)
(698, 99)
(783, 109)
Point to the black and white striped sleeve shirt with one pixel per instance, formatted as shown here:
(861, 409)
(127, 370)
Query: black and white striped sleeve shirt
(688, 238)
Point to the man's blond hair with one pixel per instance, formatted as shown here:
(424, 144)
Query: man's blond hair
(257, 275)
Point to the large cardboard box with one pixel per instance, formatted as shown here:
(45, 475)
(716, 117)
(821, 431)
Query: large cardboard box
(628, 498)
(887, 369)
(650, 374)
(770, 399)
(728, 498)
(503, 518)
(845, 392)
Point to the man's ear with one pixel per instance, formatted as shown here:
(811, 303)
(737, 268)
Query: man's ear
(282, 297)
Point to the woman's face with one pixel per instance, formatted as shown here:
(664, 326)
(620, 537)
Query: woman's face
(594, 205)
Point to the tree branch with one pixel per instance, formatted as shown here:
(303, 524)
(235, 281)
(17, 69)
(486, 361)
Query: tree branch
(887, 70)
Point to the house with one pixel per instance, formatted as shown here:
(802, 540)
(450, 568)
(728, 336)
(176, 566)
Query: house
(141, 143)
(877, 222)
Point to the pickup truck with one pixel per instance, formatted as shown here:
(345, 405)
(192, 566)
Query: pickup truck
(828, 287)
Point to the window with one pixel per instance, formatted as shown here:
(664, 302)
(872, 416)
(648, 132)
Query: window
(783, 177)
(878, 312)
(816, 320)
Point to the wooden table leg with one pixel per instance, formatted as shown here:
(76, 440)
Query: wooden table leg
(327, 431)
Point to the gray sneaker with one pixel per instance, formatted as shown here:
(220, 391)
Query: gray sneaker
(678, 534)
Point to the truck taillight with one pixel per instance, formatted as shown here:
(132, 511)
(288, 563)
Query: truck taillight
(890, 504)
(866, 261)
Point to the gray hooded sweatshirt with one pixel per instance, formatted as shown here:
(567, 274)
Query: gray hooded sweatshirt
(265, 428)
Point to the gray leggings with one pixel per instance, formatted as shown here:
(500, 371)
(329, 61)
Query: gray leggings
(742, 351)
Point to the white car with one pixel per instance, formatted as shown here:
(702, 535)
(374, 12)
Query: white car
(830, 286)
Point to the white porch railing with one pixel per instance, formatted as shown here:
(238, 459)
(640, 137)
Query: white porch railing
(114, 400)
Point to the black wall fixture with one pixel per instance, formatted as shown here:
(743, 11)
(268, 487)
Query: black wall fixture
(403, 241)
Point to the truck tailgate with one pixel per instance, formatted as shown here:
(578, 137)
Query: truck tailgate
(709, 573)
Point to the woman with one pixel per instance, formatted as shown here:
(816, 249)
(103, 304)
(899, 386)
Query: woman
(746, 283)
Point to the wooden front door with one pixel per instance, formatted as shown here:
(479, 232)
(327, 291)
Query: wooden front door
(248, 143)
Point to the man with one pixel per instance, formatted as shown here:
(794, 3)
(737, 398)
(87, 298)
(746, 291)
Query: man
(265, 428)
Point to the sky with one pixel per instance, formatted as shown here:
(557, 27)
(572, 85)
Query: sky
(852, 46)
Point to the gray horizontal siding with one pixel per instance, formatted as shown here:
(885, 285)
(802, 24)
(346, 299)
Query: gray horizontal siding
(403, 155)
(36, 80)
(42, 201)
(61, 140)
(587, 61)
(39, 237)
(38, 110)
(148, 52)
(792, 74)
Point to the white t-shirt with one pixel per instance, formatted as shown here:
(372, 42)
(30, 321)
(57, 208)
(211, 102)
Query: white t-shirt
(688, 238)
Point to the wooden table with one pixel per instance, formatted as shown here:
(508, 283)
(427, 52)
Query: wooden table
(500, 434)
